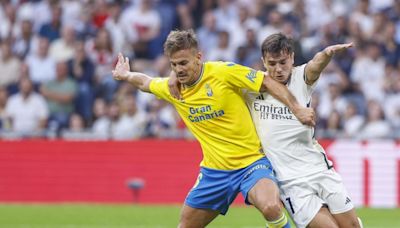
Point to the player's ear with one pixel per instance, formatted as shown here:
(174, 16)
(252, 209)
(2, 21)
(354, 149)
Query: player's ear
(199, 55)
(292, 58)
(264, 63)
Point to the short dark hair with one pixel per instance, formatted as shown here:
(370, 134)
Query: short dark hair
(180, 40)
(277, 43)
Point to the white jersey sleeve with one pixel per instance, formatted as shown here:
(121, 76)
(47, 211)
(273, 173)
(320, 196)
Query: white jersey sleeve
(288, 143)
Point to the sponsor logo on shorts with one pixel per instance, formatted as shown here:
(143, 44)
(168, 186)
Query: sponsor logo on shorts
(257, 167)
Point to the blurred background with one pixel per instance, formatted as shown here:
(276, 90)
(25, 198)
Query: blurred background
(69, 132)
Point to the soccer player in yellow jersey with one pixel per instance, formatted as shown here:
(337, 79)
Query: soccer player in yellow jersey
(213, 108)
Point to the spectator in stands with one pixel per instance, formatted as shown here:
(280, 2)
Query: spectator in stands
(390, 47)
(100, 52)
(9, 65)
(208, 33)
(361, 19)
(376, 127)
(52, 30)
(333, 100)
(8, 25)
(42, 68)
(142, 25)
(223, 51)
(114, 26)
(132, 122)
(352, 121)
(274, 25)
(333, 125)
(72, 10)
(225, 12)
(27, 110)
(249, 53)
(368, 71)
(60, 94)
(82, 70)
(4, 123)
(26, 42)
(392, 103)
(76, 129)
(100, 127)
(239, 27)
(100, 13)
(62, 49)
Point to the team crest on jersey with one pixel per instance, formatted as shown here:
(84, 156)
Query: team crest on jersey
(209, 90)
(251, 75)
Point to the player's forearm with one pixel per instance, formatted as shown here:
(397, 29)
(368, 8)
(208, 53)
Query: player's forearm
(318, 64)
(281, 92)
(139, 80)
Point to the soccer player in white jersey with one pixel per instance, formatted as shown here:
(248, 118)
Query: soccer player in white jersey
(311, 190)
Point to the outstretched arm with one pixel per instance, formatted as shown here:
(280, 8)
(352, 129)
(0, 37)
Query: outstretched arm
(281, 92)
(122, 72)
(315, 66)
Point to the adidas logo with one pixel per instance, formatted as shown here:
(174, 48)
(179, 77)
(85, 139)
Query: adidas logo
(348, 200)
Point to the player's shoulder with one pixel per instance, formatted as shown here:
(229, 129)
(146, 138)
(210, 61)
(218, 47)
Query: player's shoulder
(221, 65)
(158, 83)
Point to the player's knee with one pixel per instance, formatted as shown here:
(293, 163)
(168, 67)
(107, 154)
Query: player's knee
(184, 221)
(356, 223)
(272, 211)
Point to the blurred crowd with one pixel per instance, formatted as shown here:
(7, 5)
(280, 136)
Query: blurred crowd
(56, 59)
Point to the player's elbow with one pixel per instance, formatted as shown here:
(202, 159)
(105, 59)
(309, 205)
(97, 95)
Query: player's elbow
(145, 85)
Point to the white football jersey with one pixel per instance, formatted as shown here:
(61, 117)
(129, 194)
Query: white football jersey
(288, 143)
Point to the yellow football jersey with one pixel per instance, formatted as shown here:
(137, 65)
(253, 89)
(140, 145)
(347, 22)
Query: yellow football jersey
(215, 112)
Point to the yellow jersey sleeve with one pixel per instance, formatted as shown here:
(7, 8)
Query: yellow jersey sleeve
(239, 76)
(159, 87)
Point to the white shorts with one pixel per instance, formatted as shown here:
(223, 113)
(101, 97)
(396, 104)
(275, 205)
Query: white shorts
(303, 197)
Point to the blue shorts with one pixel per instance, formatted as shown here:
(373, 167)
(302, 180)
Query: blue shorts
(216, 189)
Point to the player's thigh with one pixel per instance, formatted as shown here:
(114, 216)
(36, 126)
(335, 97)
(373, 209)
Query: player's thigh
(259, 187)
(347, 219)
(323, 219)
(265, 191)
(265, 197)
(196, 218)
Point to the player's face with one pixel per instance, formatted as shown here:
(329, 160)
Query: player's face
(187, 65)
(279, 66)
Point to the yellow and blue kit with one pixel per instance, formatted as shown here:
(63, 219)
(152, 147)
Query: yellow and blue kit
(214, 110)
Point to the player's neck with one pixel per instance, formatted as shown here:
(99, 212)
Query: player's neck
(287, 81)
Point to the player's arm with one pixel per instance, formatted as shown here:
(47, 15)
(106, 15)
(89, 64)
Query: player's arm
(315, 66)
(137, 79)
(279, 91)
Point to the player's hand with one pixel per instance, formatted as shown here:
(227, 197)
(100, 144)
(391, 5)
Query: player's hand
(174, 86)
(331, 50)
(122, 68)
(305, 115)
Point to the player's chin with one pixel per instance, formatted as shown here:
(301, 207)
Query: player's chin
(182, 80)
